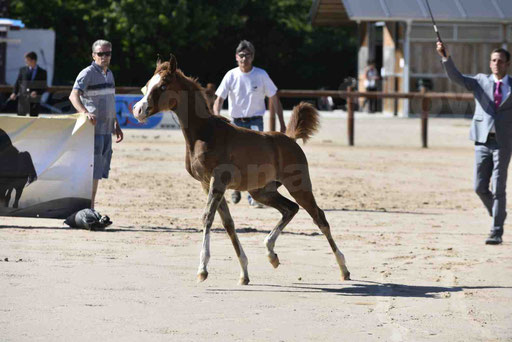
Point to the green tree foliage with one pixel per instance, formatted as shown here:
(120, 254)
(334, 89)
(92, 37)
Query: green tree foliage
(203, 34)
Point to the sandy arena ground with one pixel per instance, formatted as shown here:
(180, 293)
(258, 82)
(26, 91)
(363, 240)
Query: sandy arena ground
(406, 218)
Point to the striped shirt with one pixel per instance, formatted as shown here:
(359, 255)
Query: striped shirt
(98, 95)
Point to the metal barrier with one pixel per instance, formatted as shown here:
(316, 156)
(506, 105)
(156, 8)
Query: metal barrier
(352, 96)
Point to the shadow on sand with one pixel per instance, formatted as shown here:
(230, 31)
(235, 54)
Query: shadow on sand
(361, 288)
(159, 229)
(379, 211)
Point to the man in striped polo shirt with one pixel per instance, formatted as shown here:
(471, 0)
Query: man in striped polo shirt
(94, 95)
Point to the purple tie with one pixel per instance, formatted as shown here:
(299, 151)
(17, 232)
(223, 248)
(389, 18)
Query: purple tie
(498, 96)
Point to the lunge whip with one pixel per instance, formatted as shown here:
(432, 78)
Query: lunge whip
(435, 26)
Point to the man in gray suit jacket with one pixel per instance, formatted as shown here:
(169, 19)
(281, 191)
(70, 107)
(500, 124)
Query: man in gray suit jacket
(491, 130)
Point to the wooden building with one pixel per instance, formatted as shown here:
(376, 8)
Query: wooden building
(398, 36)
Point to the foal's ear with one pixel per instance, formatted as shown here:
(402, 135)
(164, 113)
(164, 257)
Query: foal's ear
(173, 62)
(158, 60)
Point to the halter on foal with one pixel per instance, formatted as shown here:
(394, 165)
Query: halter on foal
(222, 156)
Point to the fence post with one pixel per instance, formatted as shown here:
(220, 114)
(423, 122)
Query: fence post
(424, 117)
(350, 117)
(271, 109)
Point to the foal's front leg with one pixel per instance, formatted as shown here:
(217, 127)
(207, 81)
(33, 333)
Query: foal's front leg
(215, 195)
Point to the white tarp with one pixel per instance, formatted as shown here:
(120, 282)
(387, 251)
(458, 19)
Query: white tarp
(48, 163)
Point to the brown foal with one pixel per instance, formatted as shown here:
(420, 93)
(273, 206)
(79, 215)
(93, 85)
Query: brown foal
(222, 156)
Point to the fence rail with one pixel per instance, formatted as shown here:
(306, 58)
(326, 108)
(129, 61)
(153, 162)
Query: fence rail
(351, 97)
(67, 89)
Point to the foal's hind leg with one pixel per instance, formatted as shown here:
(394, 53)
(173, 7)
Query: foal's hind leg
(229, 225)
(271, 197)
(306, 200)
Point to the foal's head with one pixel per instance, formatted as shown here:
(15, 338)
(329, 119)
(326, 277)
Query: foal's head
(164, 90)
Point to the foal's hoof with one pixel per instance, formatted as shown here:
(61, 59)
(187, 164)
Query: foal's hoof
(201, 276)
(274, 260)
(345, 275)
(243, 281)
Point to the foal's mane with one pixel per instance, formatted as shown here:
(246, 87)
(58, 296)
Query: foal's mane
(164, 69)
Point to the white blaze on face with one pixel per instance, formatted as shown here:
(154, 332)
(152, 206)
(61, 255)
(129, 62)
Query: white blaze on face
(140, 108)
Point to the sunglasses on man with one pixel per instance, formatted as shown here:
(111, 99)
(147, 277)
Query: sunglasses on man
(106, 53)
(244, 55)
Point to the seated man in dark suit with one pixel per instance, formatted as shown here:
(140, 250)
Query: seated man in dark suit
(29, 86)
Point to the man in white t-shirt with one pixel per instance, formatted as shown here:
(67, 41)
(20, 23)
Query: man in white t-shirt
(247, 86)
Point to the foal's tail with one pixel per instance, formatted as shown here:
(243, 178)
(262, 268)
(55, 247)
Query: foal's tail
(304, 122)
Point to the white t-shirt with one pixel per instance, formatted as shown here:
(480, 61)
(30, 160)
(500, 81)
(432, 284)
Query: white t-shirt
(246, 92)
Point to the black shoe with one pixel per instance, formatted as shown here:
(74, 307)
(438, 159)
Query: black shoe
(236, 196)
(494, 237)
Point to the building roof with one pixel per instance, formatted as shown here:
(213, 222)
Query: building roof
(341, 12)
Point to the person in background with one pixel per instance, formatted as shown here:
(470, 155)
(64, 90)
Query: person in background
(30, 85)
(94, 95)
(491, 130)
(371, 77)
(247, 86)
(325, 102)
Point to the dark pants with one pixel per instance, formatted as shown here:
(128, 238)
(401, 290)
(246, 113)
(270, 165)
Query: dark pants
(28, 105)
(372, 101)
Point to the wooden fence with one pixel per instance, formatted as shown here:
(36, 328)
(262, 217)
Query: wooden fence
(67, 89)
(349, 95)
(352, 96)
